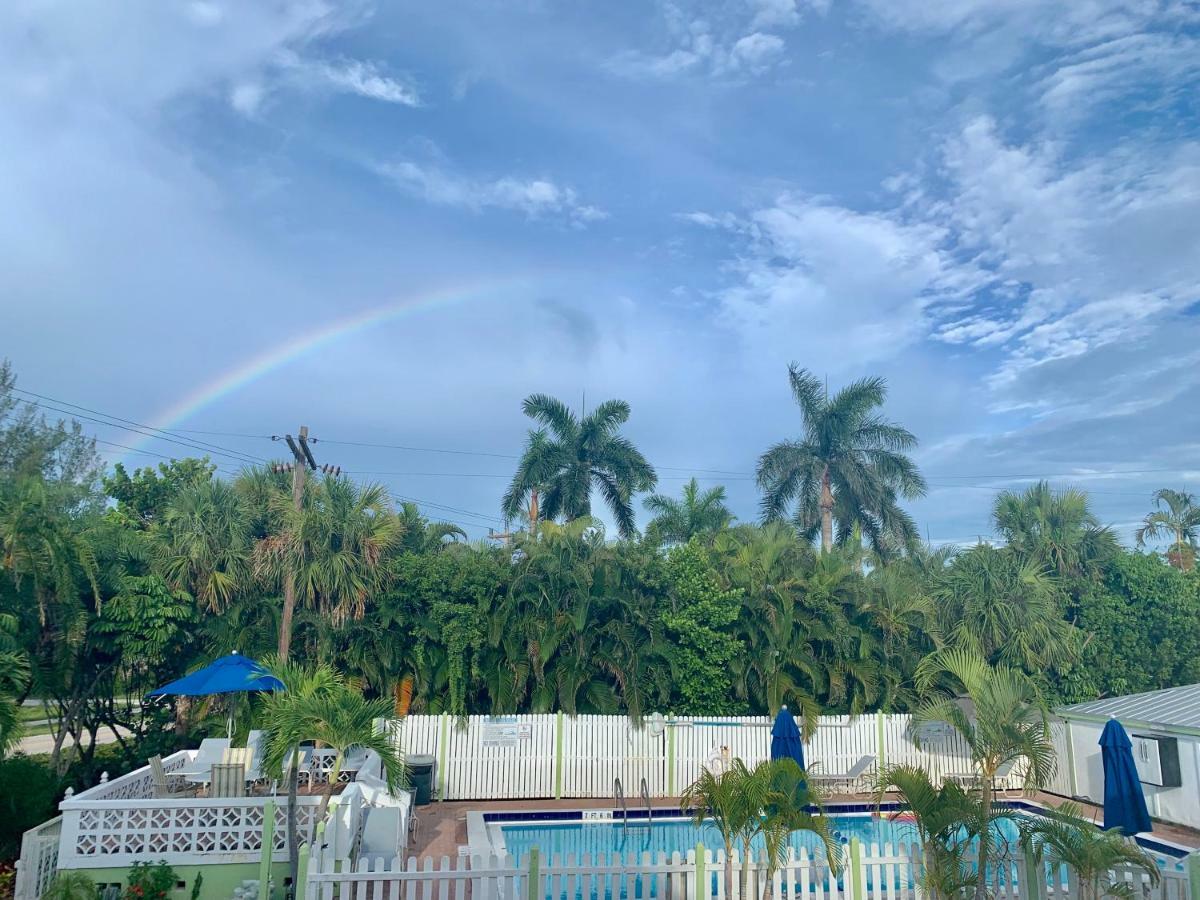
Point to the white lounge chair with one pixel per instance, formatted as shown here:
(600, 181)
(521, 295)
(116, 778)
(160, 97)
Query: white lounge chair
(974, 780)
(227, 780)
(256, 743)
(210, 753)
(851, 781)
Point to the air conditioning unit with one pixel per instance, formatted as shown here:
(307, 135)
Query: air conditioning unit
(1157, 760)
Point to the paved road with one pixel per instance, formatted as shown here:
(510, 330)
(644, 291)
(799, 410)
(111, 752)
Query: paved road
(44, 743)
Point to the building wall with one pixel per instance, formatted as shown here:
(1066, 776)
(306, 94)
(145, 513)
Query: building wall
(218, 884)
(1179, 805)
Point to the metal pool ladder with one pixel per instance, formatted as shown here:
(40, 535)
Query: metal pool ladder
(619, 799)
(649, 810)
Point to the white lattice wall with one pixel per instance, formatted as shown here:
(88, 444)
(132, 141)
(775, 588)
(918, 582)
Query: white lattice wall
(181, 831)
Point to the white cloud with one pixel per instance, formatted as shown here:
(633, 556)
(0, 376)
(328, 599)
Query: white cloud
(717, 40)
(365, 79)
(535, 197)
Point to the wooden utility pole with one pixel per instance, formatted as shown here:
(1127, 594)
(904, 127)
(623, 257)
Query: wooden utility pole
(302, 453)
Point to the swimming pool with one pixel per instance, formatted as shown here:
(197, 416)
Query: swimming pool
(605, 835)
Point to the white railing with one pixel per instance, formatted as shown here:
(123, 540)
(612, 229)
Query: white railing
(39, 860)
(868, 873)
(120, 822)
(554, 755)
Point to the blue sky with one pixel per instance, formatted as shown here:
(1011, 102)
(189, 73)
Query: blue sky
(993, 203)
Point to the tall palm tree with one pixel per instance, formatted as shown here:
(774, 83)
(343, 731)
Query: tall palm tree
(1069, 839)
(696, 513)
(849, 466)
(205, 543)
(1056, 529)
(1180, 519)
(567, 457)
(1008, 724)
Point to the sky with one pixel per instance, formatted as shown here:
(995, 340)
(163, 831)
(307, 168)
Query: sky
(393, 222)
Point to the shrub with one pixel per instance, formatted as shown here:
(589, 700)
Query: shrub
(28, 794)
(150, 881)
(71, 885)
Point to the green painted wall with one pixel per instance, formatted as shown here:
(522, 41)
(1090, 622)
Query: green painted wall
(219, 880)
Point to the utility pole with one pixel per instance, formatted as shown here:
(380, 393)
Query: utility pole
(304, 461)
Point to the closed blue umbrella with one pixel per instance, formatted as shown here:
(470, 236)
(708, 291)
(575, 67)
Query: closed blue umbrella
(228, 675)
(1124, 802)
(785, 738)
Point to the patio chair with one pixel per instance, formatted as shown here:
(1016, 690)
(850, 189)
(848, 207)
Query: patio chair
(974, 780)
(210, 752)
(848, 782)
(162, 782)
(256, 743)
(228, 780)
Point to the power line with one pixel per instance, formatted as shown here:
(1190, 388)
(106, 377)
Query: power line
(150, 453)
(136, 427)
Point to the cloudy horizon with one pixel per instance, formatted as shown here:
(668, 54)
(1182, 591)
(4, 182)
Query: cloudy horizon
(393, 223)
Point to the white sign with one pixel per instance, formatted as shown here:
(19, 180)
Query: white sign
(501, 731)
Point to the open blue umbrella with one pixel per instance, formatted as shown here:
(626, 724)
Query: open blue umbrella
(785, 738)
(228, 675)
(232, 674)
(1124, 802)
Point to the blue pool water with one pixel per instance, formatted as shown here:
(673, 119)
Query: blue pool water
(606, 838)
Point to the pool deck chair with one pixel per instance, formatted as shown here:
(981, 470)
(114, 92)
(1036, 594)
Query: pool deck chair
(973, 780)
(228, 780)
(851, 781)
(162, 781)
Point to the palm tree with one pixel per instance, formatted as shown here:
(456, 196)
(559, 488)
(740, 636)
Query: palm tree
(697, 513)
(205, 543)
(14, 677)
(567, 457)
(1056, 529)
(850, 465)
(1009, 724)
(720, 800)
(334, 546)
(1071, 840)
(946, 819)
(41, 541)
(1005, 607)
(1180, 519)
(789, 804)
(422, 536)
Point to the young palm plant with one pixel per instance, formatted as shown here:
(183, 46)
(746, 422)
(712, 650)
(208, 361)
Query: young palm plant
(719, 799)
(1068, 839)
(946, 820)
(789, 804)
(1009, 725)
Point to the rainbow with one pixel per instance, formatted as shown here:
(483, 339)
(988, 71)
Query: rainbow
(280, 355)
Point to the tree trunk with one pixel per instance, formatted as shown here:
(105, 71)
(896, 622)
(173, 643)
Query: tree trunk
(988, 788)
(729, 869)
(826, 512)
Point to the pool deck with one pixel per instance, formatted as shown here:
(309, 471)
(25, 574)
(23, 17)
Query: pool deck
(442, 827)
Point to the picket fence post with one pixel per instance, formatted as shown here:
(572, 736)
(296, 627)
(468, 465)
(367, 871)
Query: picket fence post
(1193, 870)
(268, 850)
(880, 743)
(443, 751)
(558, 756)
(701, 892)
(856, 870)
(671, 756)
(532, 888)
(302, 872)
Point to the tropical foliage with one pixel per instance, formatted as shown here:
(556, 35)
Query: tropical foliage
(1178, 518)
(112, 585)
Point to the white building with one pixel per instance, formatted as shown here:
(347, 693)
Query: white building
(1164, 727)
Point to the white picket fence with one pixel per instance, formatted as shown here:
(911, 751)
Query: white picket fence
(562, 756)
(870, 873)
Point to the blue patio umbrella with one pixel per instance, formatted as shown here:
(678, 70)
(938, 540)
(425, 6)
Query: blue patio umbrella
(785, 738)
(232, 674)
(1124, 802)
